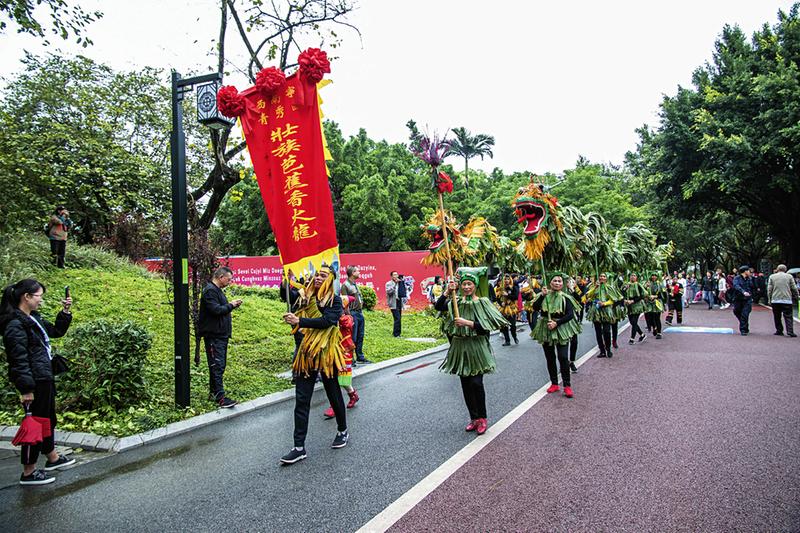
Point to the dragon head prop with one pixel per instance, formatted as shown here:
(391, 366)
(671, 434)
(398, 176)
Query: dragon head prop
(537, 213)
(433, 231)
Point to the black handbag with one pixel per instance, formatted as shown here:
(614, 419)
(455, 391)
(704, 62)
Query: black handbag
(60, 364)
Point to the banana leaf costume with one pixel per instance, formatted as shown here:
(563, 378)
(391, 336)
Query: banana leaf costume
(635, 291)
(554, 307)
(470, 353)
(505, 303)
(606, 294)
(654, 288)
(321, 349)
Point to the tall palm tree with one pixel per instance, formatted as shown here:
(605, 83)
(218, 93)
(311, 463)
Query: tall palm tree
(468, 146)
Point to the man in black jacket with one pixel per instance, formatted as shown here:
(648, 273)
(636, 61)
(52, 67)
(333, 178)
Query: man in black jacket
(214, 325)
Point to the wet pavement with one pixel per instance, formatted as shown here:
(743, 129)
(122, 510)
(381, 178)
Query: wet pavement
(695, 432)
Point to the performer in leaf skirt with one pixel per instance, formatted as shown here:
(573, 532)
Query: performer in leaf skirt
(506, 296)
(556, 327)
(634, 301)
(470, 354)
(654, 302)
(602, 314)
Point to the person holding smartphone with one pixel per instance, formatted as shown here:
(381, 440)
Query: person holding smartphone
(214, 325)
(26, 339)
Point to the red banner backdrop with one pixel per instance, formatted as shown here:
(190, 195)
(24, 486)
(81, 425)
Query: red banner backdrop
(375, 270)
(284, 137)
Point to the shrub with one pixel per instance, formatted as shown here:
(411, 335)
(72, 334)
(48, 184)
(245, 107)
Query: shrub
(369, 297)
(107, 365)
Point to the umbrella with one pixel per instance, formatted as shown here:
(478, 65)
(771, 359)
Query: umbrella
(32, 429)
(795, 270)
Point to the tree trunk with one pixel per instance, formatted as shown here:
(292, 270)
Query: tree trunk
(466, 173)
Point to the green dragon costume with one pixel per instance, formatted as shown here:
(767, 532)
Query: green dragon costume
(537, 212)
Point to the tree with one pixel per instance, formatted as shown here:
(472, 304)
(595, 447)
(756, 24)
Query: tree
(731, 142)
(468, 146)
(65, 20)
(74, 132)
(269, 32)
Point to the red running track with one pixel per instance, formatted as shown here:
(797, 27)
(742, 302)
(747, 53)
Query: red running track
(694, 432)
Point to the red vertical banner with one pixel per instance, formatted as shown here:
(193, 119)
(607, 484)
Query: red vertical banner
(283, 131)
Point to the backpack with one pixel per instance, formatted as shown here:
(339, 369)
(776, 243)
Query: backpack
(46, 229)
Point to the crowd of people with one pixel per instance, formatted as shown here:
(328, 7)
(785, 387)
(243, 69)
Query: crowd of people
(328, 326)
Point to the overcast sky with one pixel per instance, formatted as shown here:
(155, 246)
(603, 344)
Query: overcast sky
(550, 80)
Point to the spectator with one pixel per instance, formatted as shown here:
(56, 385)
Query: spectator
(743, 285)
(782, 293)
(57, 231)
(351, 290)
(707, 286)
(26, 338)
(723, 288)
(395, 296)
(214, 325)
(761, 286)
(691, 289)
(435, 290)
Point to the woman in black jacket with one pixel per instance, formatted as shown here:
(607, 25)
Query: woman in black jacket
(26, 338)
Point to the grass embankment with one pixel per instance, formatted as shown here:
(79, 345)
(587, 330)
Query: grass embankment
(103, 286)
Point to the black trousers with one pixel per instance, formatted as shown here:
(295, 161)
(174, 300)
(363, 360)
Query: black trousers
(634, 320)
(303, 390)
(58, 249)
(742, 308)
(784, 310)
(44, 404)
(474, 395)
(655, 321)
(602, 332)
(512, 321)
(533, 318)
(614, 331)
(217, 356)
(675, 306)
(649, 321)
(397, 314)
(573, 348)
(551, 352)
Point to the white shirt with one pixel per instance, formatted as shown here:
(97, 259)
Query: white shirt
(723, 285)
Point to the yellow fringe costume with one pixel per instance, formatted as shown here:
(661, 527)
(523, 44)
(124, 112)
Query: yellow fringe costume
(321, 349)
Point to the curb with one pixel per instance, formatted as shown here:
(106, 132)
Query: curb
(89, 441)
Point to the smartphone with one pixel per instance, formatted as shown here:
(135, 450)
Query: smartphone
(66, 292)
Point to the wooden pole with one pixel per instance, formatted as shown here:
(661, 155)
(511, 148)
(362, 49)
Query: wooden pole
(447, 251)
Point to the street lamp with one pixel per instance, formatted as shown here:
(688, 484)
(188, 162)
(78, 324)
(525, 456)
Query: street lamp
(208, 114)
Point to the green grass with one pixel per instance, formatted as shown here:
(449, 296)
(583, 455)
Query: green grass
(104, 286)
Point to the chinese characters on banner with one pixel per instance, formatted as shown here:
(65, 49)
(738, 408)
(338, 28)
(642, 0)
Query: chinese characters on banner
(284, 136)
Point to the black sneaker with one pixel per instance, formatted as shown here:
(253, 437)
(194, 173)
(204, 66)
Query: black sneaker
(780, 333)
(610, 353)
(363, 361)
(506, 344)
(602, 354)
(37, 477)
(59, 463)
(658, 335)
(573, 368)
(791, 335)
(642, 337)
(226, 403)
(293, 456)
(516, 340)
(631, 341)
(341, 440)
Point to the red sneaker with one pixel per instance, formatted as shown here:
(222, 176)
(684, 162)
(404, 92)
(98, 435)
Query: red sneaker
(353, 399)
(481, 426)
(473, 424)
(553, 388)
(328, 414)
(568, 392)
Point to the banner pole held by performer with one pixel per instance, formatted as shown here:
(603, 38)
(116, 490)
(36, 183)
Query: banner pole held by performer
(447, 251)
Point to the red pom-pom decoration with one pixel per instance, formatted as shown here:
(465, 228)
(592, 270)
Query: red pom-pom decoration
(444, 183)
(229, 102)
(314, 65)
(269, 80)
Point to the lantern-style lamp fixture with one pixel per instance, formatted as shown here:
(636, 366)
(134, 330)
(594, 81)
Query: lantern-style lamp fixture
(207, 112)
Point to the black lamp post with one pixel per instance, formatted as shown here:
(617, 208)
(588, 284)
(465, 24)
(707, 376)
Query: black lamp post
(208, 114)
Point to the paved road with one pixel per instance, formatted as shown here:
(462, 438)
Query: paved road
(696, 432)
(226, 476)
